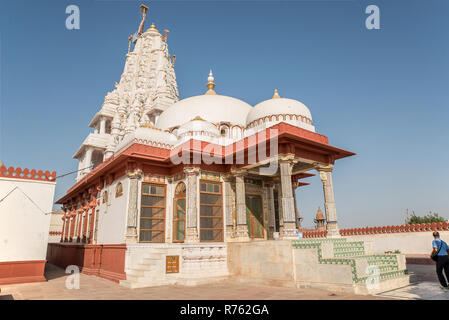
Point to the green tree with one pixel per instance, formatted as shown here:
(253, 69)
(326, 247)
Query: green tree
(429, 218)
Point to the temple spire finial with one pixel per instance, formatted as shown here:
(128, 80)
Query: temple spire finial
(210, 83)
(144, 15)
(276, 94)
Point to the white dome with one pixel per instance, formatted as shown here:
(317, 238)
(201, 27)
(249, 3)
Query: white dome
(148, 136)
(212, 108)
(279, 106)
(198, 126)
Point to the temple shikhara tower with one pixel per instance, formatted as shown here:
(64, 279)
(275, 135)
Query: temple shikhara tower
(192, 190)
(147, 87)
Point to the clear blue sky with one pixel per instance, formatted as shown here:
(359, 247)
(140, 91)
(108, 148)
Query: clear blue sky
(380, 93)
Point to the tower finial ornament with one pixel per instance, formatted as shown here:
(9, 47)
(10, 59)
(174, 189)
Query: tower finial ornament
(153, 27)
(276, 94)
(210, 83)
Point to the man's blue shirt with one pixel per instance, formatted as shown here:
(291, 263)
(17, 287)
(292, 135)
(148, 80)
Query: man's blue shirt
(436, 244)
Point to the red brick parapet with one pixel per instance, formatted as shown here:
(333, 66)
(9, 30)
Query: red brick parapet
(18, 173)
(314, 234)
(419, 227)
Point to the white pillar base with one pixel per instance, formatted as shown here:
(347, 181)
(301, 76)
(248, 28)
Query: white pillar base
(241, 234)
(289, 231)
(332, 230)
(230, 234)
(192, 236)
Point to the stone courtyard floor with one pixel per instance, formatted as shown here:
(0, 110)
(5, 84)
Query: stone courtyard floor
(425, 285)
(94, 288)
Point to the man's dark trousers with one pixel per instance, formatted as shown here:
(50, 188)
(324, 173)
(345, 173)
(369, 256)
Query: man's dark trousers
(443, 263)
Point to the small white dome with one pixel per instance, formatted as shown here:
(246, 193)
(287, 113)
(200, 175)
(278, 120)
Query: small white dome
(212, 108)
(198, 126)
(148, 136)
(279, 106)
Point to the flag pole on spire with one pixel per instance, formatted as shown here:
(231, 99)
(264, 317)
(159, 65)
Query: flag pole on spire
(144, 15)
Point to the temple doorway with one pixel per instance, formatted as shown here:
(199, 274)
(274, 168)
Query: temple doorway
(179, 213)
(254, 216)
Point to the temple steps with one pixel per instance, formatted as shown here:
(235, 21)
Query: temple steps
(148, 272)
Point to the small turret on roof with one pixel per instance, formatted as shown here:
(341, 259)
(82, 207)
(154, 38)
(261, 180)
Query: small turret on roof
(320, 220)
(319, 214)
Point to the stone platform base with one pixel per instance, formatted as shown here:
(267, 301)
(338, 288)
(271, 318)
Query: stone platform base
(347, 266)
(331, 264)
(106, 261)
(146, 264)
(14, 272)
(419, 259)
(387, 285)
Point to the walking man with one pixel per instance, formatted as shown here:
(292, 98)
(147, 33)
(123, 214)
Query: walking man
(441, 249)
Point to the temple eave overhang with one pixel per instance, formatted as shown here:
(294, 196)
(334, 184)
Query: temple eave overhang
(291, 140)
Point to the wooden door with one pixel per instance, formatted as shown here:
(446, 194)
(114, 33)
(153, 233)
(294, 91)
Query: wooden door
(254, 216)
(179, 213)
(179, 220)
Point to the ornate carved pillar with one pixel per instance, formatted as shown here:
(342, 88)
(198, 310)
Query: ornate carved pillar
(277, 187)
(86, 219)
(63, 225)
(72, 223)
(271, 217)
(289, 230)
(80, 223)
(102, 125)
(295, 185)
(192, 207)
(228, 208)
(92, 206)
(131, 225)
(68, 226)
(88, 160)
(329, 202)
(242, 228)
(170, 210)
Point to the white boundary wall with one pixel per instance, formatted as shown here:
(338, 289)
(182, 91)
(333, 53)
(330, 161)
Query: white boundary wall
(406, 242)
(24, 218)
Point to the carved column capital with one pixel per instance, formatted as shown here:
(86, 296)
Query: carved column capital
(323, 168)
(227, 177)
(136, 174)
(289, 157)
(238, 172)
(268, 184)
(192, 170)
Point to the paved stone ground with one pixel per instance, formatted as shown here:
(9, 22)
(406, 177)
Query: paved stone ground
(94, 288)
(425, 285)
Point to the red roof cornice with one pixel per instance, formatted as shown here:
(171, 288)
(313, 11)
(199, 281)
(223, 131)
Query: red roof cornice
(287, 134)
